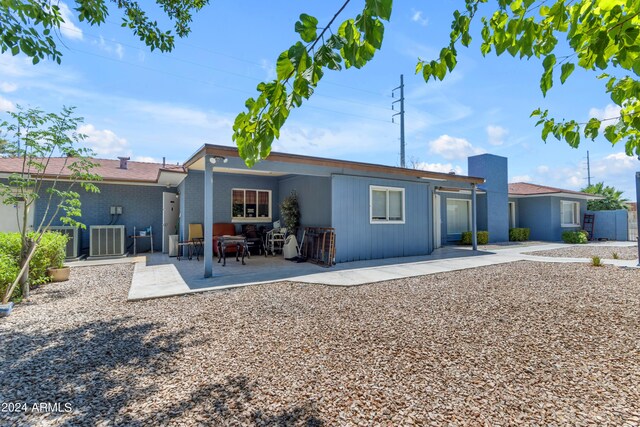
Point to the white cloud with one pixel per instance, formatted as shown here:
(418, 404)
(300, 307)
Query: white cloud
(6, 105)
(111, 47)
(105, 142)
(439, 167)
(68, 28)
(614, 165)
(7, 87)
(542, 169)
(496, 134)
(452, 148)
(521, 178)
(418, 17)
(268, 67)
(611, 111)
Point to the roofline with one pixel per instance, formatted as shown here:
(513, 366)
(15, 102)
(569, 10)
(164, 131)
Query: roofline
(221, 150)
(559, 194)
(48, 177)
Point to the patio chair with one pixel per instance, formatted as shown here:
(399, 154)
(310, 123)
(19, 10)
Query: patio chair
(195, 242)
(274, 239)
(254, 238)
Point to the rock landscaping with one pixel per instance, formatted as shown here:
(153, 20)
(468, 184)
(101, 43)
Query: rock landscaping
(521, 343)
(604, 252)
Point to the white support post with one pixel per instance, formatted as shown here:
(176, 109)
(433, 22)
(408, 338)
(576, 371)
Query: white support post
(474, 218)
(208, 217)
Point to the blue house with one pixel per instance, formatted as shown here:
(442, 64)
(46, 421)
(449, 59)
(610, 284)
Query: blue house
(376, 211)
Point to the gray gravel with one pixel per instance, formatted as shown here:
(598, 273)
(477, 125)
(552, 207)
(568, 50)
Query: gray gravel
(604, 252)
(522, 343)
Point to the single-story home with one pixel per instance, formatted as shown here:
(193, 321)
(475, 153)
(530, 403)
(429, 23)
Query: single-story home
(376, 211)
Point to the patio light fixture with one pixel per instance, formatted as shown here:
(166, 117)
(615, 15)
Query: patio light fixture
(216, 159)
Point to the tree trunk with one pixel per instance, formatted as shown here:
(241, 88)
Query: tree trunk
(24, 258)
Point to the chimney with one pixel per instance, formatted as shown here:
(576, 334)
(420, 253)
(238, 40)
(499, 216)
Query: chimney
(123, 162)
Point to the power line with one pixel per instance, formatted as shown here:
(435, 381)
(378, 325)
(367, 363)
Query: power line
(213, 84)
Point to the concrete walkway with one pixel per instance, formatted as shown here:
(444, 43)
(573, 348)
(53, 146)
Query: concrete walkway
(164, 280)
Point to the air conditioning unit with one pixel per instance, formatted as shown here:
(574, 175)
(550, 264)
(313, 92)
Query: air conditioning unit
(106, 240)
(74, 242)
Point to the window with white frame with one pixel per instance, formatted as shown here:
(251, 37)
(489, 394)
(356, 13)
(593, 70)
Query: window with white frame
(569, 214)
(458, 216)
(386, 204)
(250, 205)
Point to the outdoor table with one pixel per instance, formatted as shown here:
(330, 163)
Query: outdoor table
(239, 241)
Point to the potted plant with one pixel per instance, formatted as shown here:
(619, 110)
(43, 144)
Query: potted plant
(290, 212)
(58, 272)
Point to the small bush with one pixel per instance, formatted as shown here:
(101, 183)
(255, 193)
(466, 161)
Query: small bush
(579, 236)
(596, 261)
(519, 234)
(50, 253)
(483, 237)
(615, 255)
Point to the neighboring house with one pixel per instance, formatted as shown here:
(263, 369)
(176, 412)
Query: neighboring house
(137, 188)
(546, 211)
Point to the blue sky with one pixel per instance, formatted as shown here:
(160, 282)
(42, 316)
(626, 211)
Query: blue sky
(151, 104)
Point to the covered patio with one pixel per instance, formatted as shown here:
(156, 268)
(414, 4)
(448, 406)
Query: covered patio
(331, 193)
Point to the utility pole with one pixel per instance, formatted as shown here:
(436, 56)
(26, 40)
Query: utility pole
(401, 114)
(588, 170)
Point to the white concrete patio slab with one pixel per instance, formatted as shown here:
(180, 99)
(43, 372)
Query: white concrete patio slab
(161, 276)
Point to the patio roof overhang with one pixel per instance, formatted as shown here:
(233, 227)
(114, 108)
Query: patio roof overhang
(285, 163)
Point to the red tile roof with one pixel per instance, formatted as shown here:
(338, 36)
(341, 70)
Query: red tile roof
(108, 169)
(526, 189)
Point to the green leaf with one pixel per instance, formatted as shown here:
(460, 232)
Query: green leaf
(379, 8)
(567, 68)
(307, 27)
(284, 66)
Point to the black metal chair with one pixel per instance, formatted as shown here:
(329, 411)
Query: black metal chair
(254, 238)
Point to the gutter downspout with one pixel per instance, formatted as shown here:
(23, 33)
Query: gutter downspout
(474, 218)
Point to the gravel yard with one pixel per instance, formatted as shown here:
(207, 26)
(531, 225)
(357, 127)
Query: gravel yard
(604, 252)
(521, 343)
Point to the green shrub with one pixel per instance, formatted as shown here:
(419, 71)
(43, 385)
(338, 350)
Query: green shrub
(579, 236)
(483, 237)
(519, 234)
(50, 253)
(615, 255)
(596, 261)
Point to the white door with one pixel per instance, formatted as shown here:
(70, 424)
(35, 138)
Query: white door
(170, 213)
(11, 214)
(437, 222)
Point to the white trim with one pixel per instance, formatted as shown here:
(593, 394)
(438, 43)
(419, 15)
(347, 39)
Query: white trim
(569, 195)
(256, 219)
(437, 221)
(512, 212)
(576, 213)
(373, 188)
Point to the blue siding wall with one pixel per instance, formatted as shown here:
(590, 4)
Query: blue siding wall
(192, 196)
(542, 216)
(556, 227)
(141, 207)
(535, 214)
(495, 211)
(314, 198)
(358, 239)
(612, 225)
